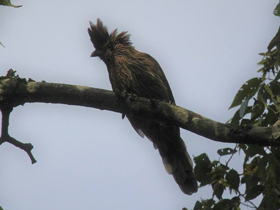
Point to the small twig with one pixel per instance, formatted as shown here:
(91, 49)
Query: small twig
(253, 205)
(231, 155)
(5, 137)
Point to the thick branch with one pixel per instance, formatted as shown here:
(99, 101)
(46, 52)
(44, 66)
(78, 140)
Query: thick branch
(19, 91)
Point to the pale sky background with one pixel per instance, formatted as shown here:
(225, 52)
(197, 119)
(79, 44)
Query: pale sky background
(92, 159)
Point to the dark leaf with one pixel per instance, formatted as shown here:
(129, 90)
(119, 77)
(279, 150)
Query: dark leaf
(257, 110)
(226, 151)
(254, 150)
(276, 11)
(218, 189)
(222, 205)
(250, 180)
(227, 204)
(245, 122)
(276, 39)
(274, 87)
(262, 93)
(254, 192)
(269, 118)
(248, 90)
(270, 200)
(263, 163)
(233, 180)
(202, 169)
(207, 203)
(236, 118)
(273, 170)
(197, 206)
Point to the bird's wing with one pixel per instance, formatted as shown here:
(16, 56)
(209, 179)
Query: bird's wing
(150, 81)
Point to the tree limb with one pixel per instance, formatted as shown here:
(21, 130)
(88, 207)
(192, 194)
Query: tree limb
(16, 91)
(5, 137)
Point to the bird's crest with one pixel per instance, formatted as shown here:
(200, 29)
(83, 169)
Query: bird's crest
(99, 35)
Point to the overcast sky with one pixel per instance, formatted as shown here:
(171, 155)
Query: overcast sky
(92, 159)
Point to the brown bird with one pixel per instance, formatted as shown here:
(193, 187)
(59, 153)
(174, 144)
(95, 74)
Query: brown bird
(138, 73)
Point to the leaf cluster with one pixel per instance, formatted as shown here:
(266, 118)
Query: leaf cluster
(258, 104)
(220, 177)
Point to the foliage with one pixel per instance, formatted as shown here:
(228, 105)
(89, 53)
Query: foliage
(258, 103)
(8, 3)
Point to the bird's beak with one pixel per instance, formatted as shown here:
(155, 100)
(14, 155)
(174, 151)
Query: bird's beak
(95, 53)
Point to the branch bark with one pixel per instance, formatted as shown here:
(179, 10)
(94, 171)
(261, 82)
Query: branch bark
(16, 91)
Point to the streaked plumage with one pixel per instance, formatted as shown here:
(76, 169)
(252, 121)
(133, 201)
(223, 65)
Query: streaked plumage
(138, 73)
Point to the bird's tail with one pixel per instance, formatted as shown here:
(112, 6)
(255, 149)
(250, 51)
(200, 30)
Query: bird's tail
(172, 149)
(178, 163)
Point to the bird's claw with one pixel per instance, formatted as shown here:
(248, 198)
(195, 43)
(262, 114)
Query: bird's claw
(125, 95)
(154, 102)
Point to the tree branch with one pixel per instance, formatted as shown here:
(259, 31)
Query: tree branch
(5, 137)
(16, 91)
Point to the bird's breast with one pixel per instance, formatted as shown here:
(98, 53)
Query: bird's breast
(121, 79)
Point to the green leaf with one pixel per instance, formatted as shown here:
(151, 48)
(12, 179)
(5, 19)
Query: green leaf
(8, 3)
(270, 200)
(227, 204)
(261, 69)
(274, 87)
(248, 90)
(243, 108)
(197, 205)
(262, 172)
(277, 61)
(218, 189)
(272, 96)
(222, 204)
(268, 90)
(276, 11)
(254, 150)
(3, 46)
(226, 151)
(202, 169)
(276, 39)
(207, 203)
(270, 117)
(254, 192)
(233, 179)
(236, 118)
(257, 110)
(270, 108)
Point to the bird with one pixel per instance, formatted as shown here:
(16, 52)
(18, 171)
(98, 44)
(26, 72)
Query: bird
(138, 73)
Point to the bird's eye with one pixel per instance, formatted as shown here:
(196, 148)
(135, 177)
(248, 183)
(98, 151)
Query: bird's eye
(110, 46)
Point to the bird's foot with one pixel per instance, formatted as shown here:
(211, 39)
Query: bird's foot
(154, 102)
(121, 94)
(132, 96)
(125, 95)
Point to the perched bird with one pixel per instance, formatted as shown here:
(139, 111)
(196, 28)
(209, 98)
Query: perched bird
(138, 73)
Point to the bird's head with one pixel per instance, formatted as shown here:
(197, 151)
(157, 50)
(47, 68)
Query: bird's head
(108, 46)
